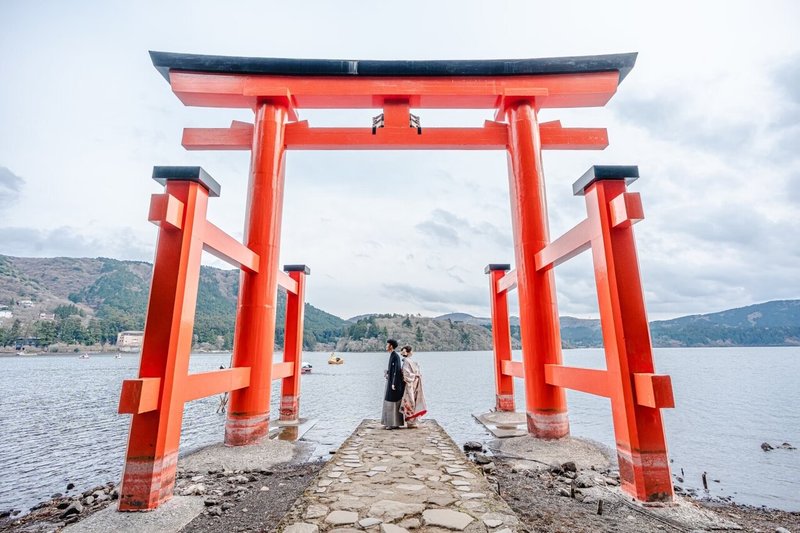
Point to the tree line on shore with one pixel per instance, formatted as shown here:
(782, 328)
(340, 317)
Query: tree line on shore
(69, 326)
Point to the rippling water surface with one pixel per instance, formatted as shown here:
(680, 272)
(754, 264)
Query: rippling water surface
(58, 420)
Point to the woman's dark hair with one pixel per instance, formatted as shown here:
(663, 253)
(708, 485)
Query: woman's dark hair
(393, 343)
(407, 348)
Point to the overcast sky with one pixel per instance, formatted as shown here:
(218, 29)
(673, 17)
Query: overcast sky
(710, 113)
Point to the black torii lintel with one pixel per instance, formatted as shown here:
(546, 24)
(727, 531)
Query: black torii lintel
(166, 61)
(162, 174)
(491, 267)
(297, 268)
(629, 173)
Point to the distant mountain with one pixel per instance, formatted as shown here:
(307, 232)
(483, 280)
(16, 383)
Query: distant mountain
(575, 332)
(78, 300)
(354, 319)
(82, 300)
(469, 319)
(424, 334)
(775, 314)
(580, 332)
(775, 323)
(465, 318)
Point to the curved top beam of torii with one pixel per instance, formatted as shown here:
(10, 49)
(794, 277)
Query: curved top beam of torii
(396, 87)
(166, 61)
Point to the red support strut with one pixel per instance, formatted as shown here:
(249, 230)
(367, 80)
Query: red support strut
(164, 385)
(636, 393)
(156, 398)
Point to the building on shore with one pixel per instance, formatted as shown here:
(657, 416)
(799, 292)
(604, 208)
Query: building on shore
(130, 341)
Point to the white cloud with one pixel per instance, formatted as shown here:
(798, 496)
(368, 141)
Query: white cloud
(67, 241)
(10, 188)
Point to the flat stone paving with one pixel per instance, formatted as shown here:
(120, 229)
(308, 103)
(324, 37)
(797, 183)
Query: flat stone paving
(394, 481)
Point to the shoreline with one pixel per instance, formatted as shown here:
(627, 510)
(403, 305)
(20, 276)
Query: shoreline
(546, 495)
(288, 480)
(554, 486)
(548, 501)
(83, 349)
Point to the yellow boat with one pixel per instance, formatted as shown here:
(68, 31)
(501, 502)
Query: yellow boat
(335, 360)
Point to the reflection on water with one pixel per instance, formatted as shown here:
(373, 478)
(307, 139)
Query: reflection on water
(58, 420)
(290, 433)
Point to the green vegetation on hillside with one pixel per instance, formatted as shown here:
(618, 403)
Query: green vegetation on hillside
(425, 334)
(89, 301)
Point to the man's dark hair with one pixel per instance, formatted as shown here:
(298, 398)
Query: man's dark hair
(393, 343)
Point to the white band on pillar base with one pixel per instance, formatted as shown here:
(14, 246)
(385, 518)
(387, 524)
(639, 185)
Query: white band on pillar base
(246, 430)
(548, 425)
(147, 483)
(505, 402)
(290, 408)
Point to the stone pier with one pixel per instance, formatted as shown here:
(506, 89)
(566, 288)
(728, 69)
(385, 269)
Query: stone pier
(401, 480)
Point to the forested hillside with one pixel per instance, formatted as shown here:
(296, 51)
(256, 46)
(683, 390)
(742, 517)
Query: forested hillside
(775, 323)
(78, 301)
(369, 334)
(88, 301)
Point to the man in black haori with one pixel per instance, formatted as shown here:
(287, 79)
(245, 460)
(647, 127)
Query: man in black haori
(392, 418)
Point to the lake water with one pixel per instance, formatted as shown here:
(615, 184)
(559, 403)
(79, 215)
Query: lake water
(58, 420)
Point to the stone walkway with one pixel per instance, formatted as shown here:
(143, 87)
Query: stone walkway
(397, 481)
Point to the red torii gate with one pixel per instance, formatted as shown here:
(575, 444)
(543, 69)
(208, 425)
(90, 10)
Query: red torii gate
(275, 89)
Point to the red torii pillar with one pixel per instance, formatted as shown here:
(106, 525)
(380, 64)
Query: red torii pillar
(293, 343)
(254, 337)
(501, 339)
(545, 405)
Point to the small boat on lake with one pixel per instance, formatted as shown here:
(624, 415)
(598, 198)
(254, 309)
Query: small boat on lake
(84, 356)
(118, 356)
(335, 360)
(306, 368)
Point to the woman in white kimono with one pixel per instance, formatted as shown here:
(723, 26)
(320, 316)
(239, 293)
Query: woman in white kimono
(413, 403)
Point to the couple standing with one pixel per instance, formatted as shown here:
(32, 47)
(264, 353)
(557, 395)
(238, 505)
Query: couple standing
(403, 398)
